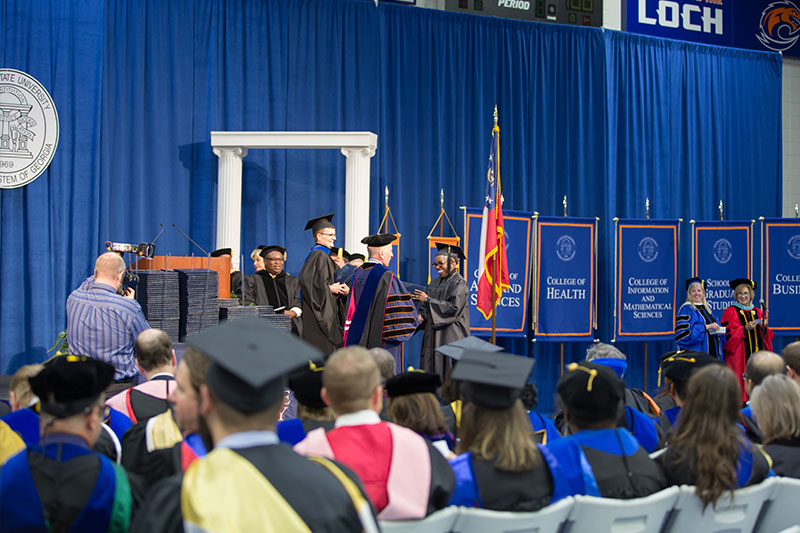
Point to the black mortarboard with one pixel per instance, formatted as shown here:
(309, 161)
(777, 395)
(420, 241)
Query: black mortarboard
(353, 257)
(742, 281)
(68, 384)
(678, 366)
(340, 252)
(456, 349)
(221, 252)
(320, 223)
(250, 361)
(378, 240)
(492, 381)
(307, 385)
(272, 248)
(591, 391)
(695, 280)
(452, 249)
(412, 382)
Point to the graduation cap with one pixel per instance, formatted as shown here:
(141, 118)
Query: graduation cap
(742, 281)
(378, 240)
(250, 361)
(492, 381)
(412, 382)
(221, 252)
(456, 349)
(339, 252)
(320, 223)
(695, 280)
(450, 250)
(307, 385)
(362, 257)
(590, 390)
(678, 366)
(68, 384)
(272, 248)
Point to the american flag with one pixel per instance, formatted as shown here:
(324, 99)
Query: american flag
(493, 241)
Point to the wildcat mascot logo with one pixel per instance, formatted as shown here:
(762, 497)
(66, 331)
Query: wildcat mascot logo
(780, 26)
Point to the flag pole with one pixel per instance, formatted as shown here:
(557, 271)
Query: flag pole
(497, 255)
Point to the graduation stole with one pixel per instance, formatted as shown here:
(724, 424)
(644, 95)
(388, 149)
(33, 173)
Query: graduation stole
(162, 432)
(357, 314)
(226, 492)
(10, 442)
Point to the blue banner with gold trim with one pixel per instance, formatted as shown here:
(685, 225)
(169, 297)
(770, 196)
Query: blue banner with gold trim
(780, 287)
(721, 252)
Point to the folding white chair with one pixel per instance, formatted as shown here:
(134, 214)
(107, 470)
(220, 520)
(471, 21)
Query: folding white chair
(640, 515)
(730, 515)
(781, 511)
(548, 519)
(439, 522)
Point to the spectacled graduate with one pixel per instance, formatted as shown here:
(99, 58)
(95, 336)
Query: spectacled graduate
(273, 286)
(380, 312)
(499, 465)
(620, 468)
(323, 310)
(250, 481)
(696, 327)
(60, 484)
(443, 309)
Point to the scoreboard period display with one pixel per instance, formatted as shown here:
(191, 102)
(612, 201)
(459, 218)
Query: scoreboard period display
(578, 12)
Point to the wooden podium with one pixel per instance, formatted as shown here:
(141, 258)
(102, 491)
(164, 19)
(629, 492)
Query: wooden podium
(170, 262)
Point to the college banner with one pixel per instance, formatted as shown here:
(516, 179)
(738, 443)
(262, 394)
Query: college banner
(646, 269)
(511, 320)
(565, 279)
(780, 284)
(721, 251)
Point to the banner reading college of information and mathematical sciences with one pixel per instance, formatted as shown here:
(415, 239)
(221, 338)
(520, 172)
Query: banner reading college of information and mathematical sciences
(781, 288)
(513, 305)
(565, 278)
(646, 272)
(721, 254)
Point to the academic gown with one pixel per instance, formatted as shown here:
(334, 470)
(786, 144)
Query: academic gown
(752, 467)
(64, 485)
(691, 332)
(281, 291)
(345, 274)
(323, 312)
(741, 343)
(380, 312)
(148, 448)
(209, 494)
(144, 401)
(445, 320)
(785, 455)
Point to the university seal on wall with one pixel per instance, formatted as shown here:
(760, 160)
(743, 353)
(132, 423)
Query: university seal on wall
(723, 250)
(648, 249)
(793, 247)
(28, 128)
(565, 248)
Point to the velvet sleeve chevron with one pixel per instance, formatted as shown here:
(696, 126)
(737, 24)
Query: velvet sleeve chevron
(400, 318)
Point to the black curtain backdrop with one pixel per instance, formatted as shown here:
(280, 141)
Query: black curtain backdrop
(606, 118)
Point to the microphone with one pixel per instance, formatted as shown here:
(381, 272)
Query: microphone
(190, 239)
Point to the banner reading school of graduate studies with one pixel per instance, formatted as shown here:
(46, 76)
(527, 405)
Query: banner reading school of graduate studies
(513, 306)
(721, 252)
(565, 278)
(781, 285)
(646, 272)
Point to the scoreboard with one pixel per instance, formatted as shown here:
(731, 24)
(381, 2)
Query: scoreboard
(578, 12)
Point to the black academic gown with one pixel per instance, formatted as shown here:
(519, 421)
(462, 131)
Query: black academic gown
(311, 490)
(785, 455)
(681, 470)
(281, 291)
(446, 319)
(323, 311)
(512, 491)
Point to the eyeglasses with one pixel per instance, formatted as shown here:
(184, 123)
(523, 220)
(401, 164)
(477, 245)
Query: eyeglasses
(274, 259)
(439, 263)
(328, 234)
(745, 376)
(104, 410)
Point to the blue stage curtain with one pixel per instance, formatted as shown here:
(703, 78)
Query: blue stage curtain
(600, 116)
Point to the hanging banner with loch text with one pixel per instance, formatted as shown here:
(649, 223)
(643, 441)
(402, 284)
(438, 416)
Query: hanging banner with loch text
(780, 285)
(564, 292)
(721, 252)
(513, 305)
(646, 269)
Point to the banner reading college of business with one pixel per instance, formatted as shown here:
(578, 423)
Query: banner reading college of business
(565, 278)
(513, 306)
(721, 253)
(646, 258)
(781, 284)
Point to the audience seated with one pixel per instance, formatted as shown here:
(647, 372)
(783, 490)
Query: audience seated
(544, 430)
(404, 476)
(760, 365)
(776, 404)
(709, 449)
(23, 418)
(677, 368)
(312, 412)
(791, 358)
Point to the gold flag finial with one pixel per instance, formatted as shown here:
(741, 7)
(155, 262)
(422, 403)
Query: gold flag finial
(564, 203)
(495, 114)
(720, 210)
(647, 208)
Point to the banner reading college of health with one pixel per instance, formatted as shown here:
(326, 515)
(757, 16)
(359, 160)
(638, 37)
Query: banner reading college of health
(565, 278)
(780, 285)
(513, 305)
(645, 275)
(721, 253)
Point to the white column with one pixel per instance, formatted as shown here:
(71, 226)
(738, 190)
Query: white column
(229, 200)
(356, 221)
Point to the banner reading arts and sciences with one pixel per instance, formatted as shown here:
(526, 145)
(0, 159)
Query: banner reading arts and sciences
(565, 262)
(781, 284)
(512, 307)
(721, 252)
(646, 269)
